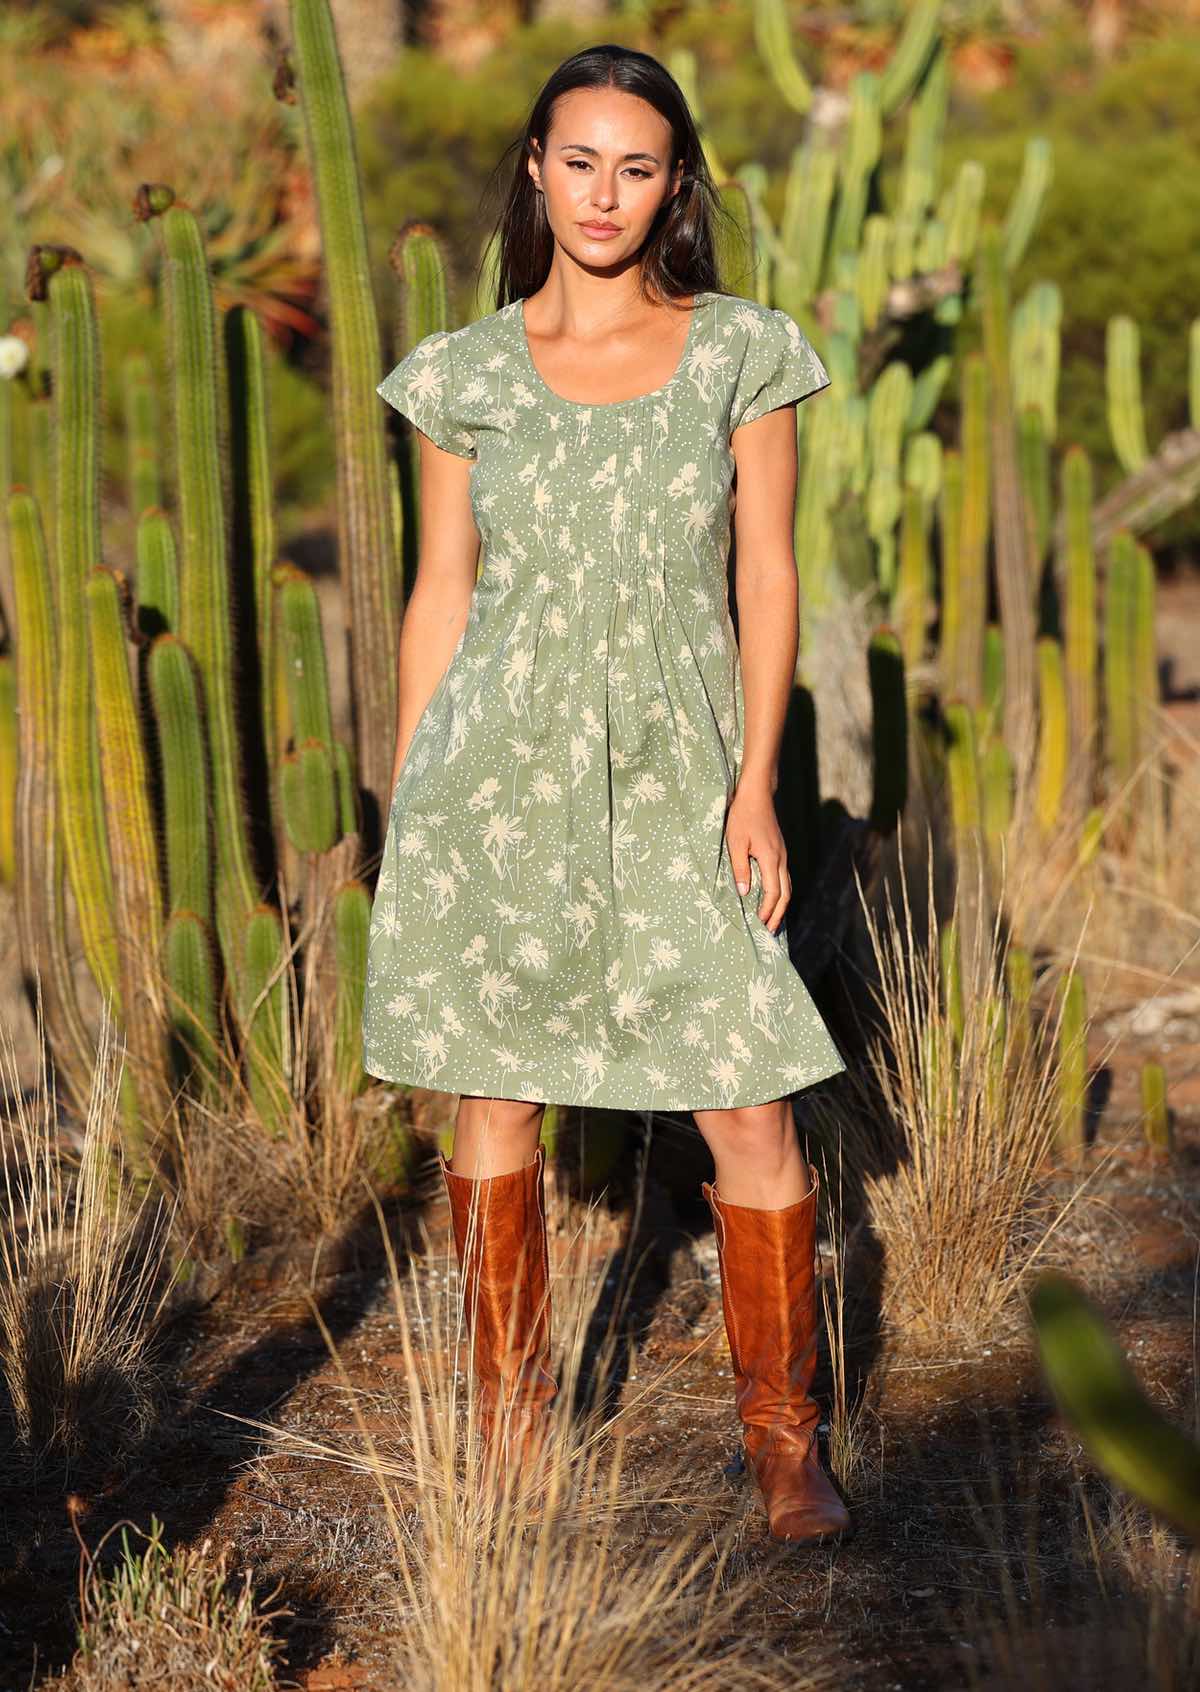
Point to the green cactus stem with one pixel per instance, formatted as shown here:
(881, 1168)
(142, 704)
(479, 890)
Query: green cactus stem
(1053, 743)
(1077, 587)
(811, 181)
(157, 574)
(1033, 463)
(1122, 370)
(1036, 353)
(77, 533)
(971, 595)
(40, 912)
(255, 538)
(996, 796)
(1026, 205)
(308, 797)
(205, 618)
(860, 155)
(1130, 1439)
(1072, 1065)
(773, 38)
(142, 434)
(366, 537)
(873, 278)
(189, 969)
(1014, 538)
(911, 600)
(131, 843)
(8, 770)
(1156, 1116)
(264, 1018)
(911, 55)
(175, 693)
(951, 977)
(351, 922)
(1018, 976)
(1120, 677)
(959, 212)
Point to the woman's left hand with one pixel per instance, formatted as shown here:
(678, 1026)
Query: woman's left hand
(752, 830)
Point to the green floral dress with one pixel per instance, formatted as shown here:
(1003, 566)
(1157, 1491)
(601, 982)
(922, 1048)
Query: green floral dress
(556, 917)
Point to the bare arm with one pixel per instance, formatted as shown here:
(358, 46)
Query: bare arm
(765, 587)
(437, 608)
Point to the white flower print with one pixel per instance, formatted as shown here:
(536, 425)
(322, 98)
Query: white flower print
(555, 916)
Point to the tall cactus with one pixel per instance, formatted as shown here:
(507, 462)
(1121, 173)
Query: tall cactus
(77, 535)
(966, 507)
(366, 536)
(132, 850)
(1072, 1064)
(1053, 744)
(1077, 588)
(1120, 673)
(1126, 422)
(1015, 543)
(205, 621)
(41, 918)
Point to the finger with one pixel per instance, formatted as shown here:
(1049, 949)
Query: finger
(739, 858)
(771, 888)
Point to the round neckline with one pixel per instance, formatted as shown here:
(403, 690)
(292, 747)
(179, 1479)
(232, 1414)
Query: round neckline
(700, 298)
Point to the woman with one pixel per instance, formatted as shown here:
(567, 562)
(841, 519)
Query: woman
(583, 885)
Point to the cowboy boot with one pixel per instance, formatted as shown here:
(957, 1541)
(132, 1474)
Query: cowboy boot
(505, 1265)
(768, 1287)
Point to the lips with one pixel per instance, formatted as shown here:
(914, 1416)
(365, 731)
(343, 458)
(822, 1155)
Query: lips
(600, 228)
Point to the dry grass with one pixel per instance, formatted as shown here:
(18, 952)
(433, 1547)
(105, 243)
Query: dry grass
(585, 1572)
(1110, 1604)
(854, 1425)
(83, 1271)
(1136, 896)
(174, 1619)
(947, 1136)
(239, 1181)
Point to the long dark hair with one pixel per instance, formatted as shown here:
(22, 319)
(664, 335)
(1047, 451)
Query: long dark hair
(679, 253)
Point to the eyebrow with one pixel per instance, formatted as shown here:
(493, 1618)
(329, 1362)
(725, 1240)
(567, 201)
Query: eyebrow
(579, 147)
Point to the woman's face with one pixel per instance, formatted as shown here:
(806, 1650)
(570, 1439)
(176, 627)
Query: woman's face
(605, 160)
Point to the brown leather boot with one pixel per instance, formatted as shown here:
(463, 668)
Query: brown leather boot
(505, 1266)
(768, 1288)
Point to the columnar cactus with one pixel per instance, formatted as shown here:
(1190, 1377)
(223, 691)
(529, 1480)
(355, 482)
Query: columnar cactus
(1077, 579)
(1072, 1064)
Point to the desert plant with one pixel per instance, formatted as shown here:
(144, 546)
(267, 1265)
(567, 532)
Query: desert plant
(175, 1618)
(945, 1128)
(84, 1273)
(547, 1578)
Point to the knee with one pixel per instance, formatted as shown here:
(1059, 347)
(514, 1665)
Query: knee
(500, 1116)
(760, 1135)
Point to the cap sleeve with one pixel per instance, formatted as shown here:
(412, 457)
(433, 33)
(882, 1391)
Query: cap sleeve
(780, 366)
(421, 387)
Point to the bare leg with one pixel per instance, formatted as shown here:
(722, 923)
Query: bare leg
(757, 1154)
(494, 1136)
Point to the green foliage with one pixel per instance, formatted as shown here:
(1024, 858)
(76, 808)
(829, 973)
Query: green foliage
(1129, 1437)
(1117, 229)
